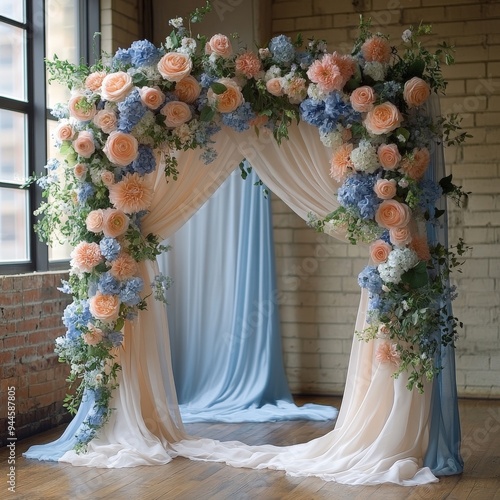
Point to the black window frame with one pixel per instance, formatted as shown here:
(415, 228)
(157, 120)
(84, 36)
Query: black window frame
(37, 113)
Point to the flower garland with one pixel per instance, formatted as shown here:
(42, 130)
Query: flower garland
(126, 110)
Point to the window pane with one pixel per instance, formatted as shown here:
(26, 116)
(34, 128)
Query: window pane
(61, 40)
(12, 62)
(14, 240)
(12, 147)
(13, 9)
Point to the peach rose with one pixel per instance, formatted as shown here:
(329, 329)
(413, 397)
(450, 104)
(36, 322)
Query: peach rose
(105, 307)
(132, 194)
(95, 221)
(389, 156)
(416, 92)
(188, 89)
(391, 213)
(220, 45)
(175, 66)
(120, 148)
(385, 189)
(229, 100)
(152, 97)
(383, 119)
(80, 108)
(84, 144)
(420, 246)
(64, 132)
(85, 256)
(248, 64)
(123, 267)
(114, 223)
(400, 236)
(106, 120)
(176, 113)
(275, 86)
(93, 82)
(379, 251)
(80, 170)
(116, 86)
(376, 49)
(417, 163)
(362, 99)
(107, 178)
(93, 336)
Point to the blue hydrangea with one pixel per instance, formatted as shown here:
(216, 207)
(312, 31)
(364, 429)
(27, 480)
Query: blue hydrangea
(96, 416)
(116, 338)
(208, 155)
(131, 111)
(339, 110)
(108, 285)
(65, 288)
(391, 91)
(239, 118)
(385, 236)
(357, 194)
(144, 53)
(303, 59)
(84, 433)
(369, 278)
(52, 165)
(206, 80)
(431, 193)
(59, 111)
(84, 192)
(110, 248)
(145, 163)
(312, 111)
(122, 57)
(282, 49)
(129, 293)
(76, 316)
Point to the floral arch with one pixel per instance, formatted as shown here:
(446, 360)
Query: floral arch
(352, 143)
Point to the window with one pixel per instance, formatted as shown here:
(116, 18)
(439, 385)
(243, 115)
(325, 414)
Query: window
(30, 31)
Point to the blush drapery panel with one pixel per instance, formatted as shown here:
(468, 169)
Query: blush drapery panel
(223, 312)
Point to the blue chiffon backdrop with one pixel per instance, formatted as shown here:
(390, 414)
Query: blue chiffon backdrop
(223, 313)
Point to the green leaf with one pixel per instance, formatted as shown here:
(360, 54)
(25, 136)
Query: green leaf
(416, 68)
(66, 148)
(218, 88)
(416, 277)
(207, 114)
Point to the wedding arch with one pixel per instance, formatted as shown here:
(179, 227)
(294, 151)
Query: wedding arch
(352, 143)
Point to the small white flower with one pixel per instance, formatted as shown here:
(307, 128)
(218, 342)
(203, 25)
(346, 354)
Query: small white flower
(405, 305)
(273, 72)
(169, 44)
(188, 46)
(331, 139)
(176, 22)
(364, 157)
(406, 36)
(264, 53)
(403, 183)
(375, 70)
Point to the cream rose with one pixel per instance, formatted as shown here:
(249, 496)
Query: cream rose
(84, 144)
(95, 221)
(229, 100)
(379, 251)
(385, 189)
(383, 119)
(106, 120)
(104, 307)
(188, 89)
(392, 214)
(219, 45)
(81, 109)
(93, 82)
(362, 99)
(114, 223)
(176, 113)
(152, 97)
(116, 86)
(416, 92)
(275, 86)
(389, 156)
(121, 149)
(64, 132)
(174, 66)
(107, 178)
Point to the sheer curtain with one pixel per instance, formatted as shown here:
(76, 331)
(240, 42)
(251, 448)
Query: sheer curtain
(223, 312)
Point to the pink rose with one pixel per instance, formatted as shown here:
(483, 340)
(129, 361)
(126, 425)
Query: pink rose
(385, 189)
(114, 223)
(188, 89)
(105, 307)
(416, 92)
(152, 97)
(383, 119)
(229, 100)
(84, 144)
(362, 99)
(248, 65)
(64, 132)
(93, 336)
(176, 113)
(116, 86)
(275, 86)
(400, 236)
(389, 156)
(95, 221)
(80, 108)
(106, 120)
(174, 66)
(219, 45)
(93, 82)
(391, 214)
(80, 171)
(85, 256)
(121, 149)
(107, 178)
(379, 251)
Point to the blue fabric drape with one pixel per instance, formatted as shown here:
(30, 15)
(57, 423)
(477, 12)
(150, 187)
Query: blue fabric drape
(223, 313)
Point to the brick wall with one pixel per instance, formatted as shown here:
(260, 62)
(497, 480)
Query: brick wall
(321, 293)
(121, 23)
(30, 320)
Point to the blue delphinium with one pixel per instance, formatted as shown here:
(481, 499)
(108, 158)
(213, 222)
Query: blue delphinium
(282, 49)
(145, 163)
(369, 278)
(84, 433)
(65, 288)
(144, 53)
(431, 193)
(96, 416)
(239, 118)
(108, 285)
(76, 316)
(129, 293)
(131, 111)
(84, 192)
(357, 194)
(110, 248)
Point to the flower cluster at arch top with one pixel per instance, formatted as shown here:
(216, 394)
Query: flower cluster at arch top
(128, 111)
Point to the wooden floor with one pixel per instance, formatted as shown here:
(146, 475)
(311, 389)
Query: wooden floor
(184, 479)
